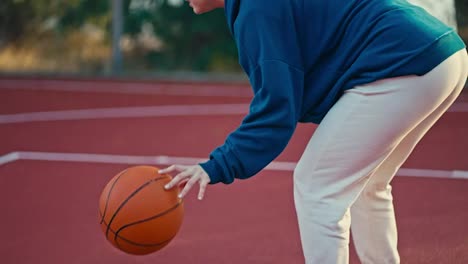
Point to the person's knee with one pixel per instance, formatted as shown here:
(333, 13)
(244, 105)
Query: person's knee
(335, 224)
(375, 193)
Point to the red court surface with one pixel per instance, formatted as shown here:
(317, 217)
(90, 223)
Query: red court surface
(50, 208)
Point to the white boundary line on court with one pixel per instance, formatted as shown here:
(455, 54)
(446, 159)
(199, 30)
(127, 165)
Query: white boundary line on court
(125, 112)
(122, 87)
(143, 111)
(167, 160)
(175, 89)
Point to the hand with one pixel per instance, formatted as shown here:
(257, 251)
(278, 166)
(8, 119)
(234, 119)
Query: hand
(189, 175)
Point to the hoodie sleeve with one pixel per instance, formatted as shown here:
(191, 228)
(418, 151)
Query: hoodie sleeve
(267, 49)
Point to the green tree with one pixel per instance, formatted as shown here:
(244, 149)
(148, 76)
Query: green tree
(190, 42)
(20, 17)
(78, 12)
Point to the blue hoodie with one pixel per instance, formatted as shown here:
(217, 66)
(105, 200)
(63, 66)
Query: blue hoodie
(300, 55)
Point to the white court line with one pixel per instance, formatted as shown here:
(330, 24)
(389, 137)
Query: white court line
(122, 112)
(123, 87)
(176, 89)
(10, 157)
(167, 160)
(143, 111)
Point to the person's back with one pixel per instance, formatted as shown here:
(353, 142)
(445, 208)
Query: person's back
(339, 44)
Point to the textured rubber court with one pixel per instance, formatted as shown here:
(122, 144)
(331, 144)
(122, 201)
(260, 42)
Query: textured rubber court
(62, 140)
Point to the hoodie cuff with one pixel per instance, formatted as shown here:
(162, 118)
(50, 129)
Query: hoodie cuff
(213, 170)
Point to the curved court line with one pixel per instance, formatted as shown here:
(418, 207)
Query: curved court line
(167, 160)
(123, 112)
(144, 111)
(10, 157)
(122, 87)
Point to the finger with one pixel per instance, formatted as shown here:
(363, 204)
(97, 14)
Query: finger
(179, 177)
(168, 169)
(188, 186)
(201, 192)
(172, 168)
(183, 182)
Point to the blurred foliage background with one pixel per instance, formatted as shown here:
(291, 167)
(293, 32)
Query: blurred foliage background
(74, 36)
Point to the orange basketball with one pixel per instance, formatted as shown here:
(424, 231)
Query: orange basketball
(137, 215)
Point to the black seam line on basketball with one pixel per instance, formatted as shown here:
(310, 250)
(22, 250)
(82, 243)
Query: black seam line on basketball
(147, 219)
(109, 194)
(118, 245)
(139, 244)
(128, 199)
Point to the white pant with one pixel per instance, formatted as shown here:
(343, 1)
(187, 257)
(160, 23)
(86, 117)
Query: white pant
(346, 169)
